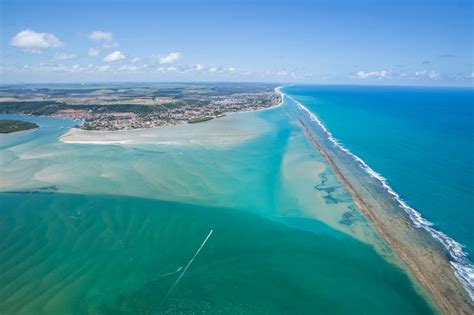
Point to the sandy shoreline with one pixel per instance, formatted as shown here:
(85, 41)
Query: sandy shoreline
(228, 130)
(423, 256)
(224, 124)
(278, 90)
(81, 136)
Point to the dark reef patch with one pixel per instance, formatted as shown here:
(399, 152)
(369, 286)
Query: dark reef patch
(35, 191)
(329, 190)
(351, 216)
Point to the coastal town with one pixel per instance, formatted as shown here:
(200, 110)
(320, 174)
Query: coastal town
(139, 108)
(217, 107)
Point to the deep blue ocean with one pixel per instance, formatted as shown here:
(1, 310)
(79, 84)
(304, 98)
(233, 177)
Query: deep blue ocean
(420, 139)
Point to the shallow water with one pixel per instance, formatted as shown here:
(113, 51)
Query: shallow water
(66, 253)
(109, 229)
(419, 142)
(420, 139)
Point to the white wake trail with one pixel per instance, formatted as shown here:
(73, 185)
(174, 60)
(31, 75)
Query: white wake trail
(186, 268)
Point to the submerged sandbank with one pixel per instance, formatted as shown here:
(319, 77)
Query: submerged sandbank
(99, 254)
(426, 259)
(228, 130)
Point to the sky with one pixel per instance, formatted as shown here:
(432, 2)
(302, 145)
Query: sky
(326, 42)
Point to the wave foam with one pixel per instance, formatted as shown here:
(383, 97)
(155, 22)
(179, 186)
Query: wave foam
(459, 260)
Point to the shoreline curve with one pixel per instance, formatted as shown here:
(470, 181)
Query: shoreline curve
(453, 293)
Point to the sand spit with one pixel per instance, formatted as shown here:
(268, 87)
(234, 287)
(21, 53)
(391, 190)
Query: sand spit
(424, 257)
(228, 130)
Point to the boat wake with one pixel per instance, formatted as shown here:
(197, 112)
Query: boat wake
(458, 259)
(185, 268)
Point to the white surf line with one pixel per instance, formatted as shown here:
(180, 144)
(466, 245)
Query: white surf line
(185, 269)
(460, 263)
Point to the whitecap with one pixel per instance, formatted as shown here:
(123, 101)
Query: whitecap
(459, 260)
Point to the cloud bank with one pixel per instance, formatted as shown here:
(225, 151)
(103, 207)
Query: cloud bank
(101, 36)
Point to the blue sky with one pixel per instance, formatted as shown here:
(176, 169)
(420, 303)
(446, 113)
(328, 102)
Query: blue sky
(355, 42)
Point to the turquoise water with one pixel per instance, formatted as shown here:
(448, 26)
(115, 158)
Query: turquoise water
(120, 229)
(419, 139)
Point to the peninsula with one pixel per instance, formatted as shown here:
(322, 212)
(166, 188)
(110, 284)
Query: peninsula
(11, 125)
(111, 107)
(430, 260)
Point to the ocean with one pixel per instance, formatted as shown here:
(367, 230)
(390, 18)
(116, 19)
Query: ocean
(420, 140)
(124, 227)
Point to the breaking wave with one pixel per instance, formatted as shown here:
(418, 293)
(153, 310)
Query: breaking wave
(459, 260)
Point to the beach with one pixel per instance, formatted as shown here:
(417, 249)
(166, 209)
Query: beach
(423, 255)
(222, 130)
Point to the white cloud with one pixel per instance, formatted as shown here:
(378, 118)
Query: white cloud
(77, 68)
(471, 75)
(389, 74)
(110, 45)
(93, 52)
(168, 69)
(105, 38)
(172, 57)
(128, 68)
(101, 36)
(104, 68)
(212, 70)
(34, 42)
(58, 68)
(199, 67)
(115, 56)
(373, 74)
(427, 74)
(433, 75)
(135, 60)
(64, 56)
(231, 69)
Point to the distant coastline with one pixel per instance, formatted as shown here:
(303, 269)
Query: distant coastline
(115, 107)
(79, 135)
(282, 99)
(444, 280)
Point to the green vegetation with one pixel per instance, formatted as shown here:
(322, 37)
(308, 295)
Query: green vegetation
(136, 105)
(46, 108)
(10, 125)
(200, 119)
(31, 107)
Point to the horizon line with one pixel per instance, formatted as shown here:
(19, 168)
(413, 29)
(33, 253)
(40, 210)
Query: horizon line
(280, 83)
